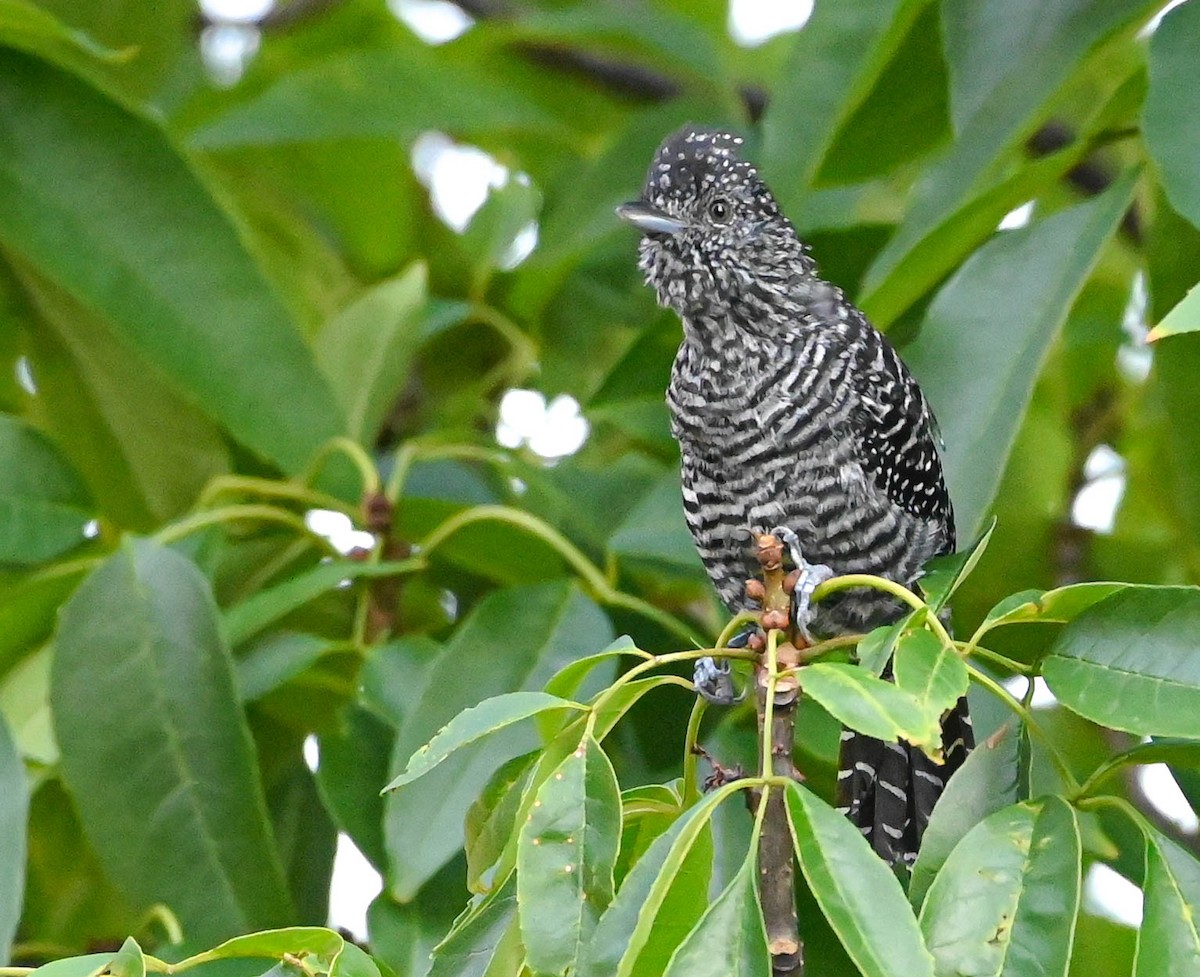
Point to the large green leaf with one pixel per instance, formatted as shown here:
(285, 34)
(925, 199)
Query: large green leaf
(470, 948)
(977, 358)
(986, 782)
(490, 716)
(858, 894)
(1184, 317)
(661, 899)
(929, 671)
(145, 451)
(1006, 900)
(870, 705)
(14, 810)
(1003, 71)
(729, 940)
(366, 349)
(834, 63)
(1131, 662)
(1168, 944)
(565, 859)
(98, 201)
(354, 762)
(143, 684)
(515, 639)
(1172, 101)
(352, 93)
(43, 504)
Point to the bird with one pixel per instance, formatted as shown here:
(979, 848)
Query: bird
(792, 410)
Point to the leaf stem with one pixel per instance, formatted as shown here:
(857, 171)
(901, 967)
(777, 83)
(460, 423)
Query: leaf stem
(175, 531)
(352, 450)
(968, 650)
(1119, 804)
(269, 488)
(772, 663)
(1023, 711)
(593, 578)
(691, 792)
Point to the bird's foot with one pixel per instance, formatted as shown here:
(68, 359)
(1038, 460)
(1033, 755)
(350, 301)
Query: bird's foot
(713, 677)
(804, 579)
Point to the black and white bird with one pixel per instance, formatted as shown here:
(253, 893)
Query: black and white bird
(792, 411)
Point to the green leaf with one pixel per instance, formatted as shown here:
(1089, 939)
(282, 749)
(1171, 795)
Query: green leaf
(305, 837)
(83, 966)
(322, 945)
(81, 183)
(870, 705)
(1056, 606)
(730, 939)
(366, 350)
(29, 610)
(488, 239)
(1008, 894)
(659, 902)
(1172, 100)
(1130, 662)
(44, 505)
(834, 64)
(877, 646)
(139, 639)
(24, 26)
(930, 672)
(539, 629)
(14, 812)
(276, 660)
(145, 451)
(491, 819)
(858, 894)
(1003, 71)
(1184, 317)
(474, 723)
(128, 962)
(1168, 943)
(944, 574)
(266, 606)
(977, 359)
(472, 946)
(568, 680)
(352, 93)
(985, 783)
(655, 531)
(354, 762)
(565, 859)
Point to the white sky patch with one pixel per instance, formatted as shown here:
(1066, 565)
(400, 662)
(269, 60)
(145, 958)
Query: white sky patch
(226, 48)
(1162, 791)
(23, 370)
(433, 21)
(1109, 894)
(1018, 217)
(355, 885)
(520, 248)
(91, 529)
(244, 11)
(338, 529)
(1134, 356)
(1095, 506)
(552, 430)
(312, 752)
(1043, 698)
(754, 22)
(458, 177)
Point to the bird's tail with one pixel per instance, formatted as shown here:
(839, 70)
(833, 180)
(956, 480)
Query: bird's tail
(888, 790)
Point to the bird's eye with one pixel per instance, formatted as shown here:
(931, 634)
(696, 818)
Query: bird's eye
(718, 210)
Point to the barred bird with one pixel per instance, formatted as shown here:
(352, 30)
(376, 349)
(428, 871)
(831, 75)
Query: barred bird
(791, 410)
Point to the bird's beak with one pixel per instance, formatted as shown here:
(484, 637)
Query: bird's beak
(648, 219)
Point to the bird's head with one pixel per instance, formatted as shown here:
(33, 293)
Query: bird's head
(713, 236)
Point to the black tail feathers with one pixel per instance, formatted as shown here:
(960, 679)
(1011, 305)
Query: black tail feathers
(888, 790)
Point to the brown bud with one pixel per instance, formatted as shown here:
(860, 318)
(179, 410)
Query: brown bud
(790, 581)
(774, 619)
(756, 642)
(755, 590)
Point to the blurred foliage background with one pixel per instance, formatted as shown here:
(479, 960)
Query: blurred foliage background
(243, 292)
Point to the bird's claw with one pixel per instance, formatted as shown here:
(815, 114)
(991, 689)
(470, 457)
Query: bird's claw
(812, 575)
(714, 682)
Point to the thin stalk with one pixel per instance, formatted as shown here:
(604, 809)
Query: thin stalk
(175, 531)
(357, 455)
(268, 488)
(691, 792)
